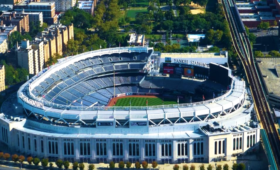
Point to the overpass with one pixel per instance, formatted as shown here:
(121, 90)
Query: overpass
(244, 50)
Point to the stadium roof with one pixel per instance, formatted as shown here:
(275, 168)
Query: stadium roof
(193, 55)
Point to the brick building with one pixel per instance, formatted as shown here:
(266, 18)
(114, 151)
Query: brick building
(21, 20)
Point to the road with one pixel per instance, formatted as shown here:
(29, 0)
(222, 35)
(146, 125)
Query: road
(243, 48)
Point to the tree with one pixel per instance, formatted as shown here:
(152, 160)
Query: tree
(201, 167)
(36, 161)
(176, 167)
(258, 54)
(14, 38)
(219, 167)
(235, 166)
(59, 163)
(91, 167)
(137, 165)
(263, 25)
(1, 155)
(241, 166)
(75, 165)
(7, 156)
(192, 167)
(121, 164)
(30, 160)
(15, 158)
(81, 166)
(112, 164)
(44, 162)
(274, 53)
(185, 167)
(128, 164)
(209, 167)
(21, 158)
(66, 164)
(144, 164)
(154, 164)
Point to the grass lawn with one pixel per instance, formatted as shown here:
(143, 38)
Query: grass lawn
(133, 12)
(141, 101)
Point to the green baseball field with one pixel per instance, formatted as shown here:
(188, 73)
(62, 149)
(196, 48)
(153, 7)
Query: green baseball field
(143, 101)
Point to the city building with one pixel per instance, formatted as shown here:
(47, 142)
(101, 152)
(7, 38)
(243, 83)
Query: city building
(48, 9)
(270, 73)
(62, 112)
(35, 17)
(6, 7)
(136, 39)
(62, 5)
(195, 37)
(28, 57)
(5, 32)
(10, 2)
(21, 20)
(2, 78)
(3, 44)
(254, 12)
(55, 39)
(87, 5)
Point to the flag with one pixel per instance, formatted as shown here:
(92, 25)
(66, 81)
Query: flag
(203, 97)
(147, 102)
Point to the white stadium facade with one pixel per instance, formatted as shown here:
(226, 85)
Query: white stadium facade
(62, 113)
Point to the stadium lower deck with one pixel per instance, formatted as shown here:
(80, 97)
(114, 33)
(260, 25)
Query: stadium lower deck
(65, 114)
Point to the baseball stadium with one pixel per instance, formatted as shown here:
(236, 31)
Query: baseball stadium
(132, 104)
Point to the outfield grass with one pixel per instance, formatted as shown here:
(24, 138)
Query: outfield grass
(141, 101)
(133, 12)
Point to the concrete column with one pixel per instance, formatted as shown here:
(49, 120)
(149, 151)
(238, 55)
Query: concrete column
(109, 150)
(93, 150)
(125, 147)
(46, 146)
(76, 149)
(60, 148)
(174, 151)
(142, 150)
(158, 151)
(190, 149)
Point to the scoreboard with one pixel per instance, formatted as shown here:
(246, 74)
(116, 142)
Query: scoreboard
(183, 69)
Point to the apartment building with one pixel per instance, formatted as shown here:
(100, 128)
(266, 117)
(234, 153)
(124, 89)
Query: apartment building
(48, 9)
(86, 5)
(62, 5)
(21, 20)
(28, 58)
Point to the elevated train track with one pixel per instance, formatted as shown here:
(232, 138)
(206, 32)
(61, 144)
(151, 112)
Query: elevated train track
(243, 48)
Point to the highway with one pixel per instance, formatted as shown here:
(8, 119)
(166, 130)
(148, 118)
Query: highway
(244, 50)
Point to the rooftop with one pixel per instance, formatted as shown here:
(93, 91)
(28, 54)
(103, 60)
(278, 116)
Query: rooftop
(270, 71)
(193, 55)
